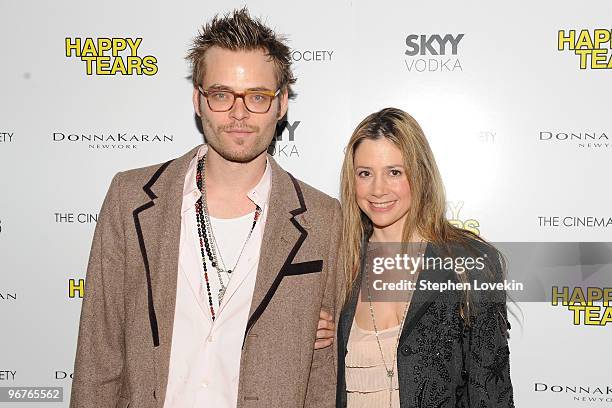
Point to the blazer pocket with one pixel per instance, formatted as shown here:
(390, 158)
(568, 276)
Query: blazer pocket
(123, 403)
(303, 268)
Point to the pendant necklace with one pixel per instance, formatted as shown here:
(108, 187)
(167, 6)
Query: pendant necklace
(390, 371)
(208, 242)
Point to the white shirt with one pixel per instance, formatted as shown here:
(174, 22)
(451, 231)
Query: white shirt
(205, 356)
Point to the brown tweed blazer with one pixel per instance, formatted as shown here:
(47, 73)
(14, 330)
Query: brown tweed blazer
(125, 333)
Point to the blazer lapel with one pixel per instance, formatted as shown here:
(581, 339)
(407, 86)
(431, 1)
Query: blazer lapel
(158, 227)
(283, 236)
(348, 314)
(423, 299)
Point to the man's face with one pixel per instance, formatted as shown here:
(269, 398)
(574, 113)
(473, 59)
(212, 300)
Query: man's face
(239, 135)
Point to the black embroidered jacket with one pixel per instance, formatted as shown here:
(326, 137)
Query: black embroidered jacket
(442, 362)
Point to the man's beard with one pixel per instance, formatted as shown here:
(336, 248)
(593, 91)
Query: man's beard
(214, 142)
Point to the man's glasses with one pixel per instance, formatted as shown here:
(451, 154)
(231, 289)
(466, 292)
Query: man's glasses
(224, 100)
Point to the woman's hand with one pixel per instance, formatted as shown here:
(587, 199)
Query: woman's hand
(326, 329)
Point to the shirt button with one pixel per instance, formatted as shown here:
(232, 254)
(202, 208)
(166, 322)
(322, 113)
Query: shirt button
(204, 384)
(210, 339)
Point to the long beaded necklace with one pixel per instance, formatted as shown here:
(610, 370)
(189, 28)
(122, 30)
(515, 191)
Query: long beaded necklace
(208, 242)
(390, 371)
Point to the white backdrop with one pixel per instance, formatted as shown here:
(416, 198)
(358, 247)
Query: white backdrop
(499, 114)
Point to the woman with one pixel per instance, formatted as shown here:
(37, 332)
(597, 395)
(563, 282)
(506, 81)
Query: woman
(436, 348)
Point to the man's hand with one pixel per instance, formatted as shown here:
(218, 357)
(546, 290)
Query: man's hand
(326, 330)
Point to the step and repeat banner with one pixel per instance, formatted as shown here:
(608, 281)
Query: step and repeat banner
(514, 99)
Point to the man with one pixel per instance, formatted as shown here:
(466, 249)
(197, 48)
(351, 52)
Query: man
(208, 273)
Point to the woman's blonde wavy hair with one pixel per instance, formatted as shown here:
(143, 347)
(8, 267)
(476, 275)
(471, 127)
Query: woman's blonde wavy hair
(426, 215)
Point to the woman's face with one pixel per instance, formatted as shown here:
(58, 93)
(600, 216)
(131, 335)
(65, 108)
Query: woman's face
(381, 186)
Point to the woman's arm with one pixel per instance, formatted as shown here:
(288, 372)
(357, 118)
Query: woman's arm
(487, 363)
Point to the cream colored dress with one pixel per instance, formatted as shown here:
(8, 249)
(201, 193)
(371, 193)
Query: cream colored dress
(367, 383)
